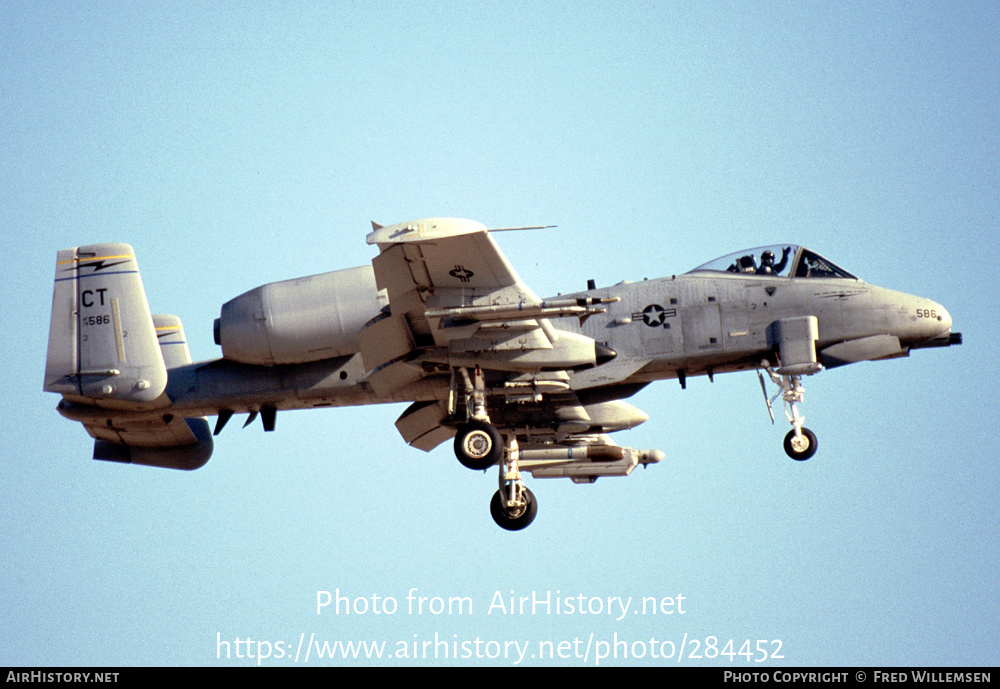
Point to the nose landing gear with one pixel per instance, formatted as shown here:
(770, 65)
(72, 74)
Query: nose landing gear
(800, 443)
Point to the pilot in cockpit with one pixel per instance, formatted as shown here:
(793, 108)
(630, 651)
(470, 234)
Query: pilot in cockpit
(767, 266)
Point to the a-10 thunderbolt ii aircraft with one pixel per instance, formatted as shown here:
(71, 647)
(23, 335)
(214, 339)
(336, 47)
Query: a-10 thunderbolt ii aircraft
(441, 320)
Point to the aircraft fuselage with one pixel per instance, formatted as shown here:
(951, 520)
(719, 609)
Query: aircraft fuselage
(676, 327)
(700, 324)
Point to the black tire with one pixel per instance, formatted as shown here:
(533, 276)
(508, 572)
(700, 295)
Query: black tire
(797, 451)
(478, 445)
(499, 512)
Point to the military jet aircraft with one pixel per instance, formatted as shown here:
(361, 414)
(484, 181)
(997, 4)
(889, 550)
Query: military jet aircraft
(440, 319)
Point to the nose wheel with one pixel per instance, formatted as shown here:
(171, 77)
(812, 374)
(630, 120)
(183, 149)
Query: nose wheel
(801, 447)
(800, 443)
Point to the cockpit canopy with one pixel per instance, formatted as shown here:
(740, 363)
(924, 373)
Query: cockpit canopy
(782, 260)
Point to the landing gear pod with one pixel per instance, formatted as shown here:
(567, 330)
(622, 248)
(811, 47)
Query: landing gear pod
(795, 339)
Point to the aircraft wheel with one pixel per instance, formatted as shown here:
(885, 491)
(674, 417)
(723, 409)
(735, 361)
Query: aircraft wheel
(478, 445)
(513, 522)
(801, 449)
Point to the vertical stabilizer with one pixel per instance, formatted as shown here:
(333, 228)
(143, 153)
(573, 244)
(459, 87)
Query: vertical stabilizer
(102, 342)
(173, 343)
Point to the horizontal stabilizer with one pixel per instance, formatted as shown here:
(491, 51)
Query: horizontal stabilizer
(193, 454)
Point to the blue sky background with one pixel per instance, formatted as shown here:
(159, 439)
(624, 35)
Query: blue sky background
(234, 144)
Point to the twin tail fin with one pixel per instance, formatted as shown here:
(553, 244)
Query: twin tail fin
(102, 340)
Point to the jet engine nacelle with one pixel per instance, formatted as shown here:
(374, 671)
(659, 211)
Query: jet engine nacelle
(301, 320)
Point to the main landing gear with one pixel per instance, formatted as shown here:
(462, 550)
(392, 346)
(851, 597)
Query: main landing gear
(479, 445)
(800, 443)
(513, 506)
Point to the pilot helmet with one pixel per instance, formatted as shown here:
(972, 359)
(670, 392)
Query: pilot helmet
(767, 257)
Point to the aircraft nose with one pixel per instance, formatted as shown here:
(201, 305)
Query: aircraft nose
(933, 319)
(944, 317)
(941, 315)
(926, 324)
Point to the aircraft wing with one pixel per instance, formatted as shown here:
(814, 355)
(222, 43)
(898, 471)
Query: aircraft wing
(437, 264)
(441, 253)
(455, 301)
